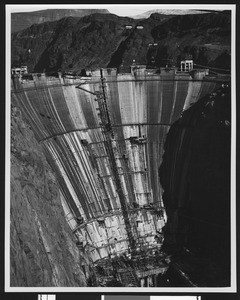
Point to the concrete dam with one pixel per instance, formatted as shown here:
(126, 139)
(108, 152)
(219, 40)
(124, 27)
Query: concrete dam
(103, 136)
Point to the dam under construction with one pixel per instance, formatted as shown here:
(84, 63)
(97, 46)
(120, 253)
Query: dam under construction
(104, 137)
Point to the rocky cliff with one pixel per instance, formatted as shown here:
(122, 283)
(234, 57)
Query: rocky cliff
(23, 20)
(195, 175)
(43, 250)
(102, 40)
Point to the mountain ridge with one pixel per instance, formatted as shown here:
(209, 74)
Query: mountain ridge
(23, 20)
(171, 12)
(96, 40)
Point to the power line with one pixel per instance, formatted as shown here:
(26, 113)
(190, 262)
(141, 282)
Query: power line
(212, 68)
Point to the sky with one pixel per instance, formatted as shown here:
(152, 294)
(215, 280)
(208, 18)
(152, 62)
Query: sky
(120, 10)
(125, 10)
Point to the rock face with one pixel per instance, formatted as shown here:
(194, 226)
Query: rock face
(102, 40)
(20, 21)
(195, 175)
(42, 249)
(206, 37)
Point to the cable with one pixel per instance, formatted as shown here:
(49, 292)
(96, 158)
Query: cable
(212, 68)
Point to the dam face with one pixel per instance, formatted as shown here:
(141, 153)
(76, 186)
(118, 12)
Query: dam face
(103, 135)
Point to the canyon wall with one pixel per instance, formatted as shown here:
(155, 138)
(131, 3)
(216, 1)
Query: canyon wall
(195, 175)
(43, 250)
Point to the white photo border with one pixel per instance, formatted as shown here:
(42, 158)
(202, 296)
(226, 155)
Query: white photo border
(233, 287)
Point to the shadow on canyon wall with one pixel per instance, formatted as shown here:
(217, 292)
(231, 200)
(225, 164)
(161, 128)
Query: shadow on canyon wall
(195, 175)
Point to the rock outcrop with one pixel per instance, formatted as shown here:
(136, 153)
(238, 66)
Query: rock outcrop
(102, 40)
(23, 20)
(42, 248)
(195, 175)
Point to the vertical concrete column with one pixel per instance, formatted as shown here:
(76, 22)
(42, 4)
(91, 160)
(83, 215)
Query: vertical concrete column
(155, 280)
(191, 65)
(148, 281)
